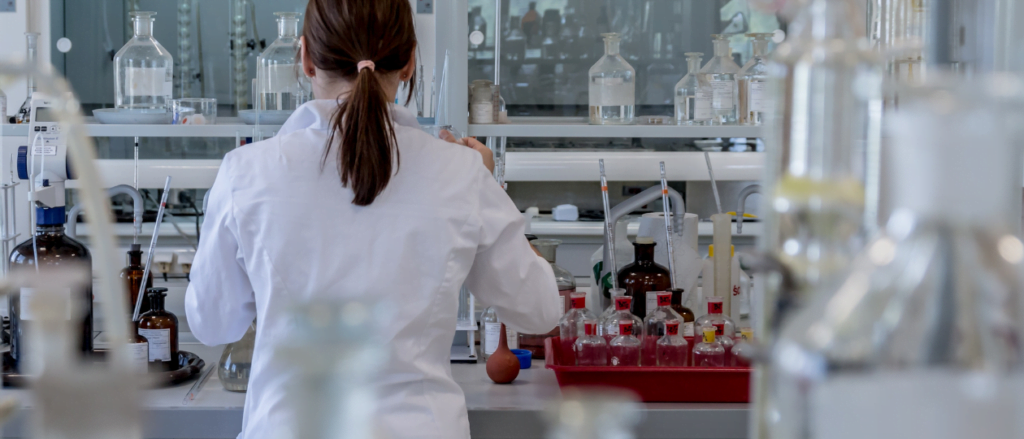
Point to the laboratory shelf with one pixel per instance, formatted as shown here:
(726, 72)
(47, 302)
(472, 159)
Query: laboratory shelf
(225, 127)
(578, 127)
(631, 165)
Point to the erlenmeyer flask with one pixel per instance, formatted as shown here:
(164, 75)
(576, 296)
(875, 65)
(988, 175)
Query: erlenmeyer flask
(236, 362)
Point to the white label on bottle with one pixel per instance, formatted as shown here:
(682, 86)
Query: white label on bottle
(702, 105)
(652, 301)
(26, 308)
(481, 112)
(512, 337)
(921, 404)
(722, 94)
(611, 92)
(138, 353)
(159, 343)
(561, 305)
(147, 81)
(687, 329)
(492, 331)
(757, 97)
(613, 329)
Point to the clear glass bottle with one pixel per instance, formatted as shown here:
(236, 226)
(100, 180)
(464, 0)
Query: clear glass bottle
(672, 350)
(624, 349)
(725, 328)
(610, 309)
(143, 69)
(131, 275)
(610, 325)
(281, 83)
(643, 275)
(709, 352)
(590, 349)
(236, 362)
(654, 325)
(566, 286)
(744, 349)
(755, 98)
(491, 333)
(612, 86)
(160, 327)
(930, 314)
(693, 94)
(52, 248)
(720, 72)
(570, 326)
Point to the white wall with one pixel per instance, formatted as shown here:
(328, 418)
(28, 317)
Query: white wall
(31, 15)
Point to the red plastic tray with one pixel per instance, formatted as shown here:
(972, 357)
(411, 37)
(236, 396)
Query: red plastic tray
(655, 384)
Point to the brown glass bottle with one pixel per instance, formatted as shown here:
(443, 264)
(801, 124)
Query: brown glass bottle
(161, 329)
(131, 275)
(643, 275)
(54, 249)
(686, 326)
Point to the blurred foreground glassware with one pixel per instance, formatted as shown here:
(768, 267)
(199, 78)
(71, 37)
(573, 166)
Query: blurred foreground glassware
(720, 72)
(923, 337)
(612, 86)
(593, 414)
(236, 362)
(755, 98)
(143, 69)
(281, 83)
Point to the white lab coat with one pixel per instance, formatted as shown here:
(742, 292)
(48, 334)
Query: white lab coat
(279, 230)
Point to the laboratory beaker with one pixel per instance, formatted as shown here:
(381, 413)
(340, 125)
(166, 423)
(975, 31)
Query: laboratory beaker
(281, 83)
(143, 69)
(194, 111)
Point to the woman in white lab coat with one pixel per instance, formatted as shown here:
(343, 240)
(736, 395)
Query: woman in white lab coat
(351, 200)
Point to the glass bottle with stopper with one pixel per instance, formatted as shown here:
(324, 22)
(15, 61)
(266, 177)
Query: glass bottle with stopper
(693, 94)
(160, 327)
(143, 69)
(643, 275)
(132, 277)
(672, 350)
(725, 328)
(654, 324)
(720, 72)
(590, 349)
(709, 352)
(612, 86)
(571, 326)
(624, 349)
(281, 83)
(755, 98)
(610, 325)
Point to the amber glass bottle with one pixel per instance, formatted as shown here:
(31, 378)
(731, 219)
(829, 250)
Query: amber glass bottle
(161, 329)
(643, 275)
(686, 329)
(54, 249)
(131, 275)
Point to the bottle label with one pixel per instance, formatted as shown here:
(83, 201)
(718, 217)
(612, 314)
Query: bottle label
(687, 329)
(747, 335)
(672, 328)
(481, 112)
(512, 338)
(492, 331)
(579, 302)
(714, 307)
(719, 328)
(709, 335)
(159, 343)
(139, 355)
(652, 301)
(622, 303)
(758, 96)
(722, 94)
(625, 327)
(26, 307)
(147, 81)
(702, 104)
(664, 299)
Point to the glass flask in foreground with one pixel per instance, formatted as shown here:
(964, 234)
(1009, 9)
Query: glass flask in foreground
(143, 69)
(612, 86)
(755, 99)
(593, 413)
(281, 84)
(693, 94)
(720, 72)
(923, 337)
(236, 362)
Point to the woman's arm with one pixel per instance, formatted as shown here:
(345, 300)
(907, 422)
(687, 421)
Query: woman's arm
(219, 302)
(507, 274)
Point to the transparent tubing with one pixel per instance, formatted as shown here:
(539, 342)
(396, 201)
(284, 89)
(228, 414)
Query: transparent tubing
(184, 63)
(81, 153)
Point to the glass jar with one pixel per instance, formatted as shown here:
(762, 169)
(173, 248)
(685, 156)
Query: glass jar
(143, 69)
(236, 362)
(755, 98)
(491, 332)
(566, 286)
(281, 84)
(720, 72)
(612, 87)
(693, 94)
(481, 105)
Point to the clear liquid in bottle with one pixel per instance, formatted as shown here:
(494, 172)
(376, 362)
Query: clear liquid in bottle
(612, 89)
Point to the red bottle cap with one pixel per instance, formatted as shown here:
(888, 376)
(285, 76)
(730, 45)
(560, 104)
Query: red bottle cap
(579, 300)
(625, 327)
(665, 299)
(672, 327)
(590, 328)
(622, 303)
(715, 305)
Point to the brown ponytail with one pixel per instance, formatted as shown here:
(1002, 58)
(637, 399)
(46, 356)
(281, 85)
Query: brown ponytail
(339, 34)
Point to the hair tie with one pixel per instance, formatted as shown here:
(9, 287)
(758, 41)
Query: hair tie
(367, 64)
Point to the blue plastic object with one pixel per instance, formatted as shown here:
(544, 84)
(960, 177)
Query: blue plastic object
(23, 162)
(524, 356)
(50, 216)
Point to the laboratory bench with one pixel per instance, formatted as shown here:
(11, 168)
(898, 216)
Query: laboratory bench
(495, 411)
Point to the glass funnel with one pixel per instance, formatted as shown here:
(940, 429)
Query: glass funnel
(755, 98)
(924, 334)
(143, 69)
(236, 362)
(612, 86)
(693, 94)
(720, 72)
(281, 85)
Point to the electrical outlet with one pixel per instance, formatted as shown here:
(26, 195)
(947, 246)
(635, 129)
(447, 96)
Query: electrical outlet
(424, 6)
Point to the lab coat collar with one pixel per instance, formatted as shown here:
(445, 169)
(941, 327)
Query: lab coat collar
(316, 114)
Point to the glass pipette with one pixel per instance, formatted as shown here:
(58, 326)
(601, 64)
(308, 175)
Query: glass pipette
(152, 245)
(608, 229)
(191, 395)
(714, 187)
(668, 226)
